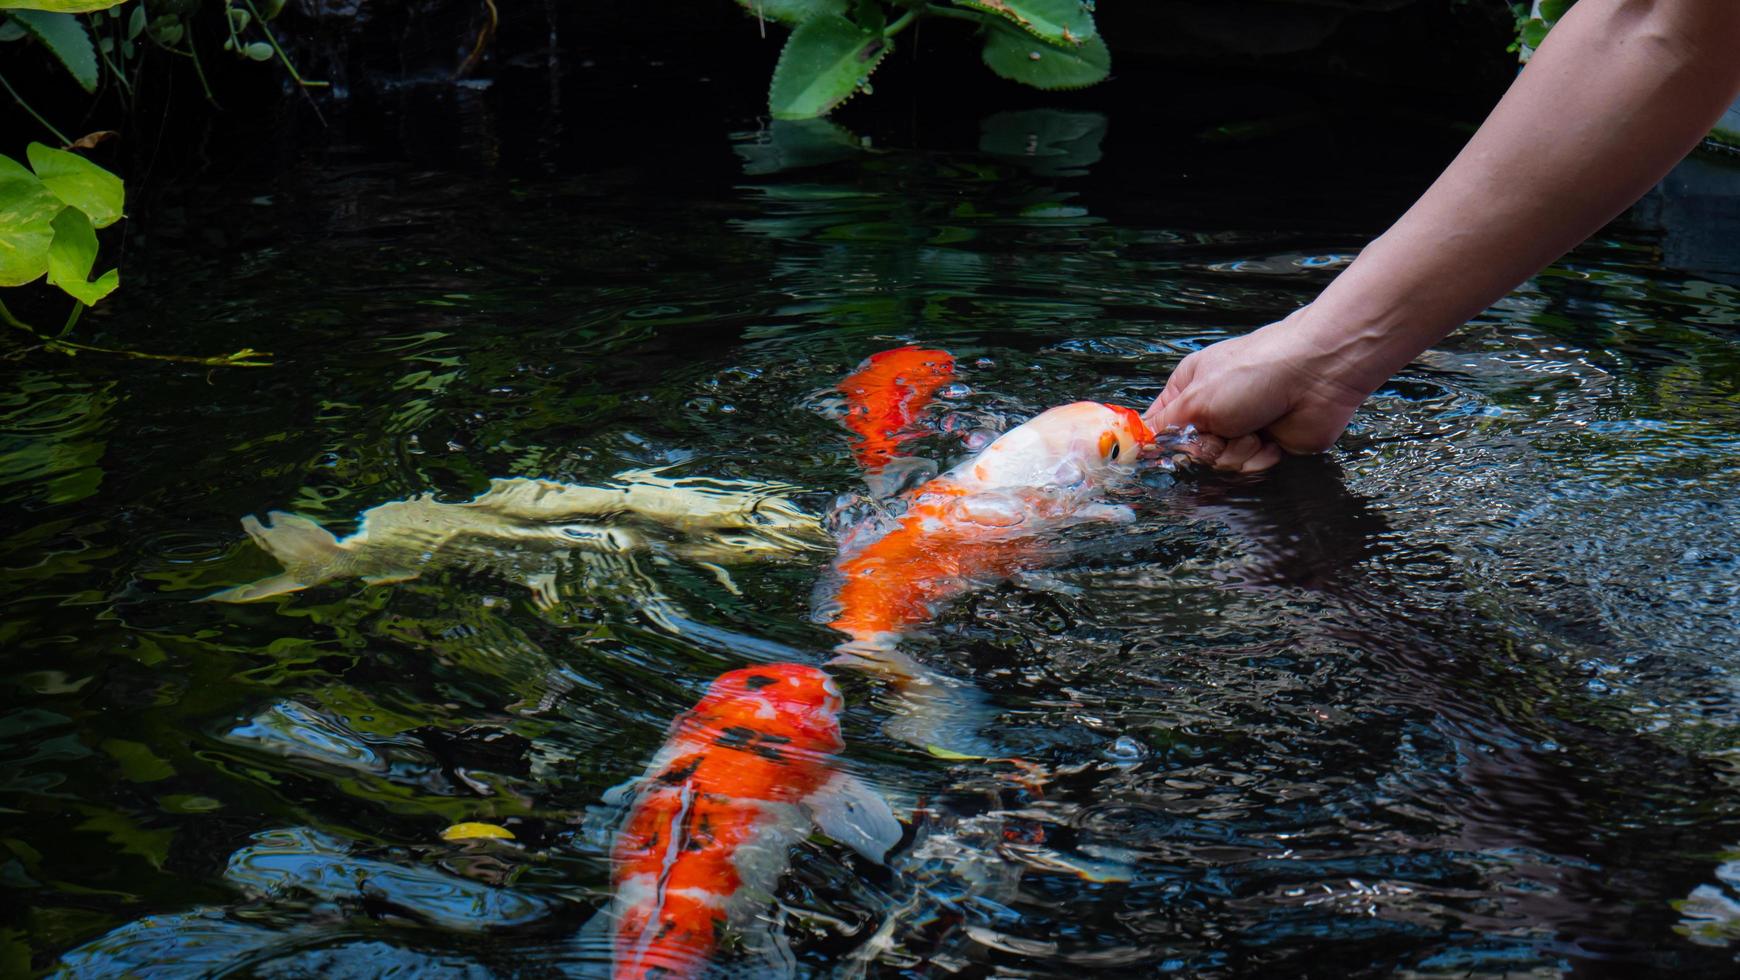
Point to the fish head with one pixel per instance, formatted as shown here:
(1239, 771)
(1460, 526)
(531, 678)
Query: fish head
(795, 703)
(1082, 443)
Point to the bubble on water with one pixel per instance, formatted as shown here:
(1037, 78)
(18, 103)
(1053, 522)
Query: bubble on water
(1126, 750)
(956, 390)
(984, 362)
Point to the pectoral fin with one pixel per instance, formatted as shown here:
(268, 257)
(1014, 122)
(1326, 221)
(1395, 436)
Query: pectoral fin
(847, 809)
(263, 589)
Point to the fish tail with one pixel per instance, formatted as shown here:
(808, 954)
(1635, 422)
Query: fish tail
(293, 539)
(305, 549)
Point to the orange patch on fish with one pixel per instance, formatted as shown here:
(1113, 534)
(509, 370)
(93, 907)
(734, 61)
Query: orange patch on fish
(886, 394)
(746, 770)
(979, 520)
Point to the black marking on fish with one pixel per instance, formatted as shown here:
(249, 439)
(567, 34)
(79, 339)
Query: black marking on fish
(682, 771)
(756, 682)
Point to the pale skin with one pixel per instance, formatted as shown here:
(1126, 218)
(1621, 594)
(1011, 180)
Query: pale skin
(1619, 92)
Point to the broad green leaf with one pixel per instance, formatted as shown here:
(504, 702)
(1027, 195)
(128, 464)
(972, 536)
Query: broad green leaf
(793, 11)
(1030, 61)
(79, 183)
(824, 61)
(64, 35)
(1552, 10)
(1064, 22)
(1534, 32)
(10, 31)
(61, 6)
(27, 211)
(71, 255)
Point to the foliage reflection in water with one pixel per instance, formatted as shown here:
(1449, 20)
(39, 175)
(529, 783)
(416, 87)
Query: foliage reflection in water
(1459, 697)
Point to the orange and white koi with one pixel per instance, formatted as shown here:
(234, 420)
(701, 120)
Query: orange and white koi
(741, 778)
(979, 520)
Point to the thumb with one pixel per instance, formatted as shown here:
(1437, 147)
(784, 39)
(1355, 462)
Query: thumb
(1168, 408)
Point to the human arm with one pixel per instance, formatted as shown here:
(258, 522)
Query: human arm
(1618, 92)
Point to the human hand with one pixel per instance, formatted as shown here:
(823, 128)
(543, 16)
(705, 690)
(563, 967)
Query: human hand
(1272, 391)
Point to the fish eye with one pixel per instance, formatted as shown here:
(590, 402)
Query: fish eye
(1114, 453)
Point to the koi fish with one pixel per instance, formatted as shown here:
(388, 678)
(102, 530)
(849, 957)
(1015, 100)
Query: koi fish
(886, 394)
(980, 521)
(741, 777)
(524, 529)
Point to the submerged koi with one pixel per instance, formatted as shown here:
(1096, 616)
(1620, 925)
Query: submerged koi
(979, 520)
(886, 394)
(741, 778)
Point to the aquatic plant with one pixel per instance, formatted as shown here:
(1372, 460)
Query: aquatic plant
(114, 36)
(836, 44)
(49, 216)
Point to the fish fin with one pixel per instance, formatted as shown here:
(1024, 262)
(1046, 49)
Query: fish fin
(544, 593)
(293, 539)
(592, 950)
(390, 576)
(850, 811)
(1110, 513)
(767, 951)
(263, 589)
(898, 475)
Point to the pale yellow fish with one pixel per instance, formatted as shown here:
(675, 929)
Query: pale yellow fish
(524, 529)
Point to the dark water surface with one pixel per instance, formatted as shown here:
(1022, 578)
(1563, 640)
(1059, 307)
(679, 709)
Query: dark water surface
(1460, 698)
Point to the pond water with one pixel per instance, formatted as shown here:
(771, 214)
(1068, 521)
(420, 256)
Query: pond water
(1461, 697)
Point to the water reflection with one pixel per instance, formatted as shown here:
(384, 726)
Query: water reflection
(1458, 698)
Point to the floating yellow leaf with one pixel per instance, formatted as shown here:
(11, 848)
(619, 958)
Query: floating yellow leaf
(472, 831)
(953, 756)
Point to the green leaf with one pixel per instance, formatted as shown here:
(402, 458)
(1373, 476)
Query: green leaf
(61, 6)
(793, 11)
(1552, 10)
(71, 255)
(1534, 32)
(1058, 21)
(27, 211)
(64, 35)
(136, 23)
(259, 51)
(138, 763)
(79, 183)
(1027, 60)
(10, 31)
(824, 61)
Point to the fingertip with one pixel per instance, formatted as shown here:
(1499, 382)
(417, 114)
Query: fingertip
(1237, 452)
(1264, 458)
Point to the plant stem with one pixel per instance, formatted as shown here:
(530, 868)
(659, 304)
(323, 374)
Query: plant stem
(7, 318)
(900, 23)
(261, 21)
(71, 318)
(33, 113)
(956, 13)
(246, 357)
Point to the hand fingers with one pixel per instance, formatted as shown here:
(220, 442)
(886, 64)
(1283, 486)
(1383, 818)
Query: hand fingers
(1238, 452)
(1263, 458)
(1165, 408)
